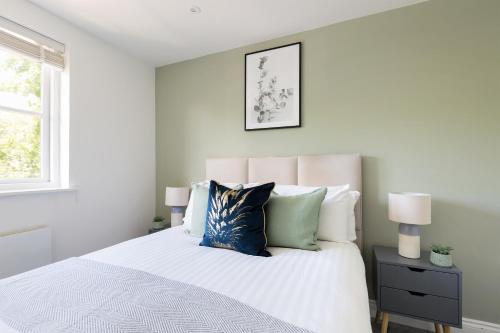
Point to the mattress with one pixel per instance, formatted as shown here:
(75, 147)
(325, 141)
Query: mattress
(323, 291)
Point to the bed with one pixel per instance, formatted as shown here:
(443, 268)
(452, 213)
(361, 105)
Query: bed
(292, 291)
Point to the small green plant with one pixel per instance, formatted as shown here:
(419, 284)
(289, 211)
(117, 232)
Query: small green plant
(158, 219)
(441, 249)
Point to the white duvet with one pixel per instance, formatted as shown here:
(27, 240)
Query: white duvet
(323, 291)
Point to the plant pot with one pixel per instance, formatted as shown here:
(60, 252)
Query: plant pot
(158, 225)
(443, 260)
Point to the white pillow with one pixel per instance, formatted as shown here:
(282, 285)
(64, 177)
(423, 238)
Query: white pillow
(189, 212)
(189, 209)
(298, 189)
(337, 221)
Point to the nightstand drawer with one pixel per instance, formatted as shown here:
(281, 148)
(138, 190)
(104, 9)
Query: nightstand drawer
(419, 280)
(434, 308)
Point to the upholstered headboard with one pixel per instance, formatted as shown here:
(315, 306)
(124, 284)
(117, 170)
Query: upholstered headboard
(318, 170)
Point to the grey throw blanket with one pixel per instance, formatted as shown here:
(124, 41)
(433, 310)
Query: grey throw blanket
(79, 295)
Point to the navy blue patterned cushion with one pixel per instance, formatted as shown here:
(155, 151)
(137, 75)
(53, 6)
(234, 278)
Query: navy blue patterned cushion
(235, 219)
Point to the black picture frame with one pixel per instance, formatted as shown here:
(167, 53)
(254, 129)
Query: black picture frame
(298, 121)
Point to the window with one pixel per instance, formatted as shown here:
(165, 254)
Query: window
(30, 128)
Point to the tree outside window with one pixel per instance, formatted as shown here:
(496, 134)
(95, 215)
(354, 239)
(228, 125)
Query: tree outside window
(21, 116)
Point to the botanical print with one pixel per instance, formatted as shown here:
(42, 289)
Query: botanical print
(272, 88)
(227, 209)
(271, 103)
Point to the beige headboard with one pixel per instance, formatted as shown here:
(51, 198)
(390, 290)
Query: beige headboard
(318, 170)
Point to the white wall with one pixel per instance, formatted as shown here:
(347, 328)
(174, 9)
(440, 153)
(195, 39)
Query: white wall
(112, 144)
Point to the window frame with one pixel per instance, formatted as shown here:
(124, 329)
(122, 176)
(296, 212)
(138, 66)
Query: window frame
(50, 132)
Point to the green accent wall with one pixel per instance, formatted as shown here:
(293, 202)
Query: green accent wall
(415, 90)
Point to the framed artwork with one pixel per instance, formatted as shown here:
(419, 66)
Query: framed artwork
(272, 88)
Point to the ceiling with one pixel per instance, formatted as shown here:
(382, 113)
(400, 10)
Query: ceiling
(165, 31)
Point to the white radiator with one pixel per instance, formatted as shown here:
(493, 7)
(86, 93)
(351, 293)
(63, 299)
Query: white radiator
(24, 249)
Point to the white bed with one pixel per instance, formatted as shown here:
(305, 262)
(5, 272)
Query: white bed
(322, 291)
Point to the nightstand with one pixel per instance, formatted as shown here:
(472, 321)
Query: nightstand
(416, 288)
(153, 230)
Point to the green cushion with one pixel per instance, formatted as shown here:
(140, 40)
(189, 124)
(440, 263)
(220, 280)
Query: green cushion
(292, 221)
(199, 214)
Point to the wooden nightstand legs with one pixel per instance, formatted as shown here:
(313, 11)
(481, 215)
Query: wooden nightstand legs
(438, 328)
(384, 317)
(385, 322)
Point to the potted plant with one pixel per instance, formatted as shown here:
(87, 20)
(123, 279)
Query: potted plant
(441, 255)
(158, 222)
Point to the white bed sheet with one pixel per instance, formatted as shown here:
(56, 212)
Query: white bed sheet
(323, 291)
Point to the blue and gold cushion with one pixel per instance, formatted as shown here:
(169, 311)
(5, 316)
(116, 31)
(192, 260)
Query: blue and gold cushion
(235, 219)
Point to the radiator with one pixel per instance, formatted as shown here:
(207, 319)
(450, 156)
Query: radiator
(24, 249)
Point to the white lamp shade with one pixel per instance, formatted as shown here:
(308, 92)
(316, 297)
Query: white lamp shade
(176, 196)
(410, 208)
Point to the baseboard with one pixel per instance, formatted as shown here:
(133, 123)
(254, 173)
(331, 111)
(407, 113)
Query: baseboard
(468, 325)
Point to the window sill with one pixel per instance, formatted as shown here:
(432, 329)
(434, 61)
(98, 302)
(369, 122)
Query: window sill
(12, 193)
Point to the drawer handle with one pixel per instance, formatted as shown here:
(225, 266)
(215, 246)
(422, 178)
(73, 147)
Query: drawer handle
(415, 293)
(414, 269)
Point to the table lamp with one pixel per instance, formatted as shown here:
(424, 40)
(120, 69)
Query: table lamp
(177, 198)
(410, 210)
